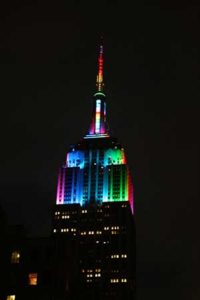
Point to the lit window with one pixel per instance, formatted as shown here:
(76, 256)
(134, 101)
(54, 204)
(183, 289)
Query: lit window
(123, 280)
(97, 270)
(106, 242)
(65, 217)
(115, 256)
(10, 297)
(124, 256)
(115, 280)
(114, 232)
(54, 230)
(32, 279)
(89, 270)
(99, 232)
(15, 257)
(83, 232)
(115, 227)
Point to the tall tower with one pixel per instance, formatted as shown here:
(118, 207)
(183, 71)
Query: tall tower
(94, 211)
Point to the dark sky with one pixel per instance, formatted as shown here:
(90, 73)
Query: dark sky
(48, 53)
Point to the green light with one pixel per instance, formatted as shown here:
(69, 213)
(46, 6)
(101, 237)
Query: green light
(99, 93)
(114, 157)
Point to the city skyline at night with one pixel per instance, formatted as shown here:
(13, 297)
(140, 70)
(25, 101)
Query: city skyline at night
(48, 66)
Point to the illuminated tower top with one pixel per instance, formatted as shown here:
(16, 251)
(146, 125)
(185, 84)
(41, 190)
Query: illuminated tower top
(96, 169)
(98, 127)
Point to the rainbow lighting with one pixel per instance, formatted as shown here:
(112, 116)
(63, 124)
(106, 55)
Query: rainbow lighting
(98, 117)
(96, 169)
(98, 127)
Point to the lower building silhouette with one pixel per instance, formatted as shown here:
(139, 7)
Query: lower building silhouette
(90, 254)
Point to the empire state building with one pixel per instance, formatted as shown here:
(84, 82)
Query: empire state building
(94, 212)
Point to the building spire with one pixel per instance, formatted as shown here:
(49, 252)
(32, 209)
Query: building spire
(99, 82)
(98, 126)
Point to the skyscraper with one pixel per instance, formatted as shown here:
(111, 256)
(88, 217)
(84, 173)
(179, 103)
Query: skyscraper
(94, 211)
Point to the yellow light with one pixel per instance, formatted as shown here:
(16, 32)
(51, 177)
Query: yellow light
(10, 297)
(15, 257)
(115, 256)
(124, 255)
(99, 232)
(115, 280)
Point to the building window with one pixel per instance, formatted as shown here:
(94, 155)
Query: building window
(32, 278)
(115, 256)
(83, 232)
(124, 256)
(64, 229)
(106, 228)
(114, 232)
(65, 217)
(115, 227)
(114, 280)
(15, 257)
(10, 297)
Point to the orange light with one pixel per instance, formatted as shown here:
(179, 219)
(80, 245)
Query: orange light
(32, 278)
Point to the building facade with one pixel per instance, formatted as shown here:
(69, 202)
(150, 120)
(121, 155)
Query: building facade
(95, 208)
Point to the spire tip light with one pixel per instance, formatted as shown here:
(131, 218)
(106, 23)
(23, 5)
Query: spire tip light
(100, 83)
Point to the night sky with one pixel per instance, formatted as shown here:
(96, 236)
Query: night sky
(48, 53)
